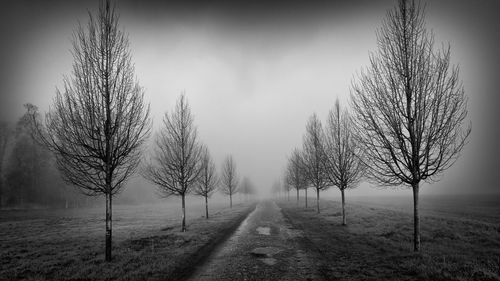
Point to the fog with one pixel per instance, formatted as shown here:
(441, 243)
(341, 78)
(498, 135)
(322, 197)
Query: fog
(254, 73)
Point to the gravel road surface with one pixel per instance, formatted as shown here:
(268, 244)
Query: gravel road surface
(264, 247)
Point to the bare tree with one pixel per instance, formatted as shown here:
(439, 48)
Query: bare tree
(276, 188)
(98, 123)
(5, 133)
(229, 179)
(246, 187)
(410, 106)
(294, 172)
(286, 187)
(343, 163)
(250, 188)
(314, 157)
(175, 165)
(252, 191)
(305, 193)
(208, 180)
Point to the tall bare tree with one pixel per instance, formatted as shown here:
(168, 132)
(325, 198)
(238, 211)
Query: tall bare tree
(246, 187)
(176, 164)
(294, 172)
(410, 106)
(286, 187)
(276, 188)
(343, 163)
(305, 192)
(314, 157)
(229, 179)
(208, 179)
(99, 121)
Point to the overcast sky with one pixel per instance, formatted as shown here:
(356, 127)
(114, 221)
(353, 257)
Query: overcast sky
(253, 73)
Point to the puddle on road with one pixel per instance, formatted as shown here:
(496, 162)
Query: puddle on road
(264, 230)
(269, 261)
(265, 254)
(265, 251)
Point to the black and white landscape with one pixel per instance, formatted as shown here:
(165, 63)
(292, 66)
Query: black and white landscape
(232, 140)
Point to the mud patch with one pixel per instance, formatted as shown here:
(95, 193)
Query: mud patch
(264, 230)
(265, 251)
(265, 254)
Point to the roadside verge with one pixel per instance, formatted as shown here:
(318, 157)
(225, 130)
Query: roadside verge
(376, 244)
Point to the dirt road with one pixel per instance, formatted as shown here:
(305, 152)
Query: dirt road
(264, 247)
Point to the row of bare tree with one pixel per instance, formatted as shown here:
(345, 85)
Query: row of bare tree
(98, 124)
(406, 123)
(330, 156)
(181, 165)
(407, 114)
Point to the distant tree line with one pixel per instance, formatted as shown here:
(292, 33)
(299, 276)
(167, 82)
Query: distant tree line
(330, 157)
(29, 177)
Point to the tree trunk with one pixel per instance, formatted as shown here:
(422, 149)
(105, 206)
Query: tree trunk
(1, 183)
(230, 201)
(108, 226)
(416, 219)
(297, 196)
(306, 197)
(183, 213)
(1, 178)
(206, 206)
(33, 152)
(317, 199)
(108, 136)
(343, 207)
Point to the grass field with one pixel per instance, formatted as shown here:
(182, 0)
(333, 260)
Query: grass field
(460, 238)
(147, 242)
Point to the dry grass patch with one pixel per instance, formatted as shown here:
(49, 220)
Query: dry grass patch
(377, 242)
(147, 245)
